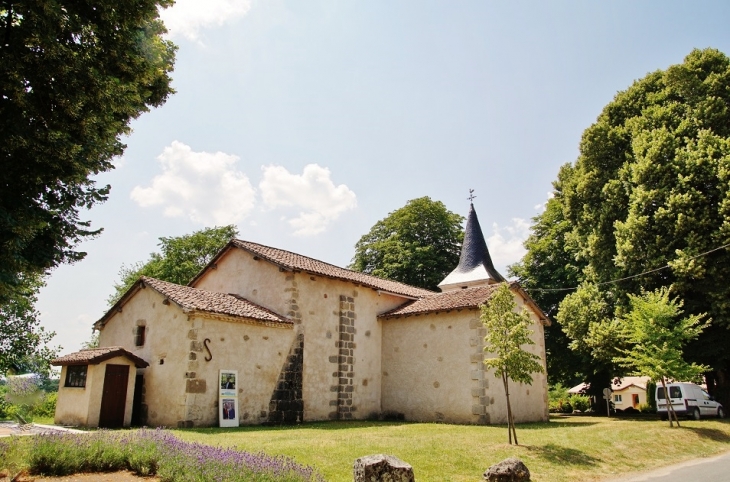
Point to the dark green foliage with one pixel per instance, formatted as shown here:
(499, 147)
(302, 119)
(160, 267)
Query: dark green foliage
(418, 244)
(651, 187)
(73, 75)
(651, 396)
(181, 258)
(23, 342)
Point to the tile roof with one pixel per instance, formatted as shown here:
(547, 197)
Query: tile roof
(189, 298)
(469, 298)
(94, 356)
(212, 302)
(297, 262)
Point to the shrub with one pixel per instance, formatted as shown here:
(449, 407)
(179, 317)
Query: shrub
(580, 402)
(562, 405)
(646, 408)
(46, 407)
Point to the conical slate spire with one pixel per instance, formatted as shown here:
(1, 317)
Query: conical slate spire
(475, 265)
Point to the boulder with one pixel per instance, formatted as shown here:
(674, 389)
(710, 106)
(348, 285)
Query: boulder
(382, 468)
(508, 470)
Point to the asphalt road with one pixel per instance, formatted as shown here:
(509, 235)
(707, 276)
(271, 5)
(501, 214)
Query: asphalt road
(712, 469)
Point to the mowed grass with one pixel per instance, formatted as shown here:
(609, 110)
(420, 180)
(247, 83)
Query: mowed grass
(566, 448)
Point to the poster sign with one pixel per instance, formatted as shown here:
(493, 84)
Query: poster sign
(228, 398)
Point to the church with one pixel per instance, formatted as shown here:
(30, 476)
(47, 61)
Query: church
(266, 336)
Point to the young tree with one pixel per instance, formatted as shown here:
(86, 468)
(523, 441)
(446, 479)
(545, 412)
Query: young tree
(656, 340)
(73, 75)
(507, 332)
(418, 244)
(181, 258)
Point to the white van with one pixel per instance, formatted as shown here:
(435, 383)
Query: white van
(688, 400)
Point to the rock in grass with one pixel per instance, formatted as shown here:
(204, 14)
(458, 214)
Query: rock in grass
(508, 470)
(382, 468)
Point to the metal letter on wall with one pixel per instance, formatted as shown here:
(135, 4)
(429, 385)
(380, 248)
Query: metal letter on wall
(228, 398)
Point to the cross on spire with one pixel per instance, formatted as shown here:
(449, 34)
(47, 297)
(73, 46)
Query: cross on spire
(471, 196)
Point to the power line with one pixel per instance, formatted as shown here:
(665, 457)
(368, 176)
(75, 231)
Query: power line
(632, 276)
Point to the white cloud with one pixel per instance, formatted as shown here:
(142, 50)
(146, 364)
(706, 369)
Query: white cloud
(505, 244)
(542, 206)
(203, 186)
(312, 193)
(188, 17)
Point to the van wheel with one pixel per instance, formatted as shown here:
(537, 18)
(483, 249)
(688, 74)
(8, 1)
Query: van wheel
(696, 414)
(663, 417)
(720, 412)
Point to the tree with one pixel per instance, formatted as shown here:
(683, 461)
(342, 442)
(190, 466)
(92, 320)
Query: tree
(418, 244)
(586, 317)
(23, 342)
(647, 201)
(181, 258)
(507, 332)
(656, 339)
(73, 75)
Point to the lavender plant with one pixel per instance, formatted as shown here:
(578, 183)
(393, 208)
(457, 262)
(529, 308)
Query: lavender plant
(147, 452)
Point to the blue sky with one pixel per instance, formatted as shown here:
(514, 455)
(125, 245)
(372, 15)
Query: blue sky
(304, 123)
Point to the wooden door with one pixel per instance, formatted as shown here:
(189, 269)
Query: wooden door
(114, 397)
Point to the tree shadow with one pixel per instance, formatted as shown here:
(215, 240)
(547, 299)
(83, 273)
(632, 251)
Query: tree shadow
(565, 455)
(553, 423)
(710, 433)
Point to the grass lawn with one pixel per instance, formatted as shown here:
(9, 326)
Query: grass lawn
(566, 448)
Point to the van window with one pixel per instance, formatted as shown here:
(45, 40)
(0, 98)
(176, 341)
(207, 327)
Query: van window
(674, 392)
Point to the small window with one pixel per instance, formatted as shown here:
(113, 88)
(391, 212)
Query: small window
(139, 336)
(617, 399)
(76, 376)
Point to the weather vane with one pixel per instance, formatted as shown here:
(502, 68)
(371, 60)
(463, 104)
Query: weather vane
(471, 196)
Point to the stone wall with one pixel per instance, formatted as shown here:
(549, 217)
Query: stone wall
(287, 405)
(344, 362)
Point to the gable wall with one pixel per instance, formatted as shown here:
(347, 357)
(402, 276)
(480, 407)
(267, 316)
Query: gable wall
(183, 390)
(165, 339)
(337, 321)
(433, 370)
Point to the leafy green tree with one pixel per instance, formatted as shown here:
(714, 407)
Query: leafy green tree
(586, 317)
(181, 258)
(656, 339)
(418, 244)
(23, 341)
(73, 75)
(507, 332)
(651, 188)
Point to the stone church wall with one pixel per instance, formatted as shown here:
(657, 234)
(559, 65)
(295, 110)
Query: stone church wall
(336, 321)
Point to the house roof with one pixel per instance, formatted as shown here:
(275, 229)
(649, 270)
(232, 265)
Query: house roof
(94, 356)
(467, 298)
(296, 262)
(205, 301)
(475, 263)
(617, 384)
